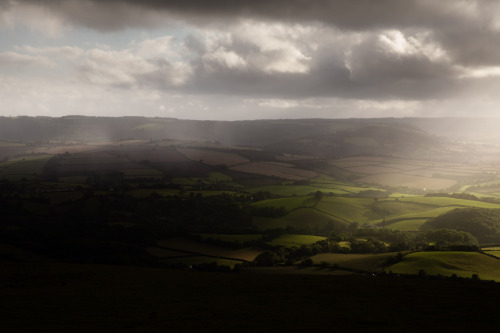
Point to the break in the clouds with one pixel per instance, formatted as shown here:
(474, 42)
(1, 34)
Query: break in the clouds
(250, 59)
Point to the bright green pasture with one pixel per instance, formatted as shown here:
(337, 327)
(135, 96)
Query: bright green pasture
(349, 209)
(393, 208)
(444, 201)
(288, 240)
(402, 195)
(491, 248)
(407, 225)
(364, 262)
(495, 253)
(290, 190)
(425, 213)
(485, 195)
(446, 263)
(232, 238)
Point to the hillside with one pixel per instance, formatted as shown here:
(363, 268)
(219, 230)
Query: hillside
(482, 223)
(338, 137)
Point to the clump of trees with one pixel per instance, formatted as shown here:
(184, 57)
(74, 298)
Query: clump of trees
(484, 224)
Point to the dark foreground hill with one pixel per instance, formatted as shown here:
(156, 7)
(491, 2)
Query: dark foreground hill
(92, 298)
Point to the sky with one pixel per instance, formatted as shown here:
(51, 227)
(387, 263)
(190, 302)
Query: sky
(250, 59)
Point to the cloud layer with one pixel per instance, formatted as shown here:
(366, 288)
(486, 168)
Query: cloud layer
(328, 55)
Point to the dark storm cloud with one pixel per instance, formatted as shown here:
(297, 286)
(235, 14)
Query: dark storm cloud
(465, 28)
(351, 14)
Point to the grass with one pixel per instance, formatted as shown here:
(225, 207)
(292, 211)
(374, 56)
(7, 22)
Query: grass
(144, 193)
(301, 218)
(363, 262)
(444, 201)
(289, 203)
(300, 190)
(196, 260)
(407, 225)
(57, 298)
(288, 240)
(232, 238)
(219, 176)
(446, 263)
(26, 167)
(142, 173)
(349, 209)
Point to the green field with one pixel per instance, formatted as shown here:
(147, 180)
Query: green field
(444, 201)
(400, 213)
(463, 264)
(299, 218)
(300, 190)
(232, 238)
(144, 193)
(349, 209)
(27, 167)
(289, 203)
(295, 240)
(407, 225)
(197, 260)
(362, 262)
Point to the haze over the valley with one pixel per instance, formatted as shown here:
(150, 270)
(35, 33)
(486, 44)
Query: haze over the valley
(233, 60)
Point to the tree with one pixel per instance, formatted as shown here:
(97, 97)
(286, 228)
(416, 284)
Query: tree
(318, 196)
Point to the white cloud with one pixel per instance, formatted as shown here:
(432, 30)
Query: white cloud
(480, 72)
(151, 63)
(66, 52)
(420, 44)
(35, 17)
(222, 57)
(21, 60)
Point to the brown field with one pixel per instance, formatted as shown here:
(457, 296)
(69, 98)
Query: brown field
(432, 172)
(271, 170)
(183, 244)
(398, 179)
(213, 157)
(362, 159)
(404, 167)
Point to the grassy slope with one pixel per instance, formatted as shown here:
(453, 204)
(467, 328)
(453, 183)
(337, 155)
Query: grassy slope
(298, 218)
(94, 298)
(405, 213)
(295, 240)
(363, 262)
(463, 264)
